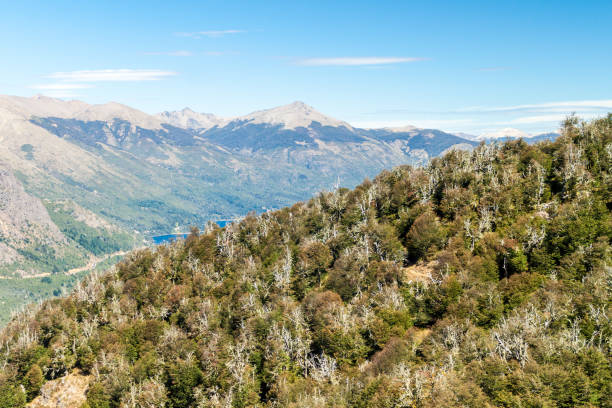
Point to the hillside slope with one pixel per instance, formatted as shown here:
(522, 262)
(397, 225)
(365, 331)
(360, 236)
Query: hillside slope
(24, 221)
(483, 279)
(39, 237)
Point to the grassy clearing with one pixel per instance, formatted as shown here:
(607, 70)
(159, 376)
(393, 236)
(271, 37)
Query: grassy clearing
(15, 293)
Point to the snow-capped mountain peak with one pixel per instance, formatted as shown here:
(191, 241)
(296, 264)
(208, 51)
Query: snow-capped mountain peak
(503, 133)
(402, 129)
(189, 119)
(292, 116)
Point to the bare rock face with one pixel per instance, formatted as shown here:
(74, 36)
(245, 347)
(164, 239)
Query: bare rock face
(24, 220)
(65, 392)
(8, 255)
(85, 216)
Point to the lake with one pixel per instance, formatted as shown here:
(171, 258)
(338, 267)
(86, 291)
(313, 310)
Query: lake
(164, 239)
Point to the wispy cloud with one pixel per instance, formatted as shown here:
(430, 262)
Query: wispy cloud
(60, 94)
(209, 33)
(566, 106)
(556, 118)
(180, 53)
(537, 119)
(70, 81)
(355, 61)
(112, 75)
(60, 86)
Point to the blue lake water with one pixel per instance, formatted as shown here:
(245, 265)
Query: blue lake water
(163, 239)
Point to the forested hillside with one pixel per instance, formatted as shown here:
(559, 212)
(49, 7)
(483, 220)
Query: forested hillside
(480, 280)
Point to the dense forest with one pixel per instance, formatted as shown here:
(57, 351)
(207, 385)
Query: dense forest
(482, 279)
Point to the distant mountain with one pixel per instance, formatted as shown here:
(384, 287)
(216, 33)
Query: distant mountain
(189, 119)
(542, 136)
(301, 124)
(503, 134)
(292, 116)
(297, 126)
(510, 134)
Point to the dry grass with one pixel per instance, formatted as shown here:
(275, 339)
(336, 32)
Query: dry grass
(420, 272)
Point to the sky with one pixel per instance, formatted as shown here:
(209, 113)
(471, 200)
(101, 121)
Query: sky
(462, 66)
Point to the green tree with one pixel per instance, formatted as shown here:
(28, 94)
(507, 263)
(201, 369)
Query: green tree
(33, 381)
(424, 235)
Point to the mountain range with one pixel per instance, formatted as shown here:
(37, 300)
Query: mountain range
(87, 180)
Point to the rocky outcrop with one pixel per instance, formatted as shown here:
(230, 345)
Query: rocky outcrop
(23, 218)
(65, 392)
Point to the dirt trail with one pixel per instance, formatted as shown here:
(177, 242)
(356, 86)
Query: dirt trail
(93, 261)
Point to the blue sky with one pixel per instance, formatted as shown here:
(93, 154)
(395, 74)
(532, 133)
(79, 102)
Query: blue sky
(460, 66)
